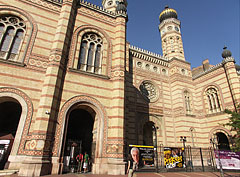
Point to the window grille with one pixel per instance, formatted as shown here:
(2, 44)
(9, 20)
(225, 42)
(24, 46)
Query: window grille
(213, 100)
(90, 55)
(12, 31)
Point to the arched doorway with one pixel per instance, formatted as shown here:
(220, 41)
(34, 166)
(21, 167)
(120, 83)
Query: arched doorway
(223, 143)
(78, 136)
(148, 134)
(10, 113)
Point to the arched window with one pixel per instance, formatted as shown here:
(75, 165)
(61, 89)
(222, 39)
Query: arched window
(90, 53)
(187, 100)
(213, 100)
(12, 31)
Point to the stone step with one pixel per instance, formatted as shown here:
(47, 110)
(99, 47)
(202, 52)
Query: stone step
(8, 172)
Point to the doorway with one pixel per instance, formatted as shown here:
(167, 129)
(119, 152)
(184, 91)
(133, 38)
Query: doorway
(223, 143)
(79, 138)
(148, 133)
(10, 113)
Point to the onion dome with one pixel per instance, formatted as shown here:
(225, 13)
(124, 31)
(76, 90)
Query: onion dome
(226, 53)
(167, 13)
(121, 7)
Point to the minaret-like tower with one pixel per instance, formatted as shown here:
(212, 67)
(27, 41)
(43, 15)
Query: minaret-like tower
(169, 28)
(114, 5)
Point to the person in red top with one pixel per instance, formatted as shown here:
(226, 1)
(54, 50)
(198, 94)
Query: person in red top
(79, 159)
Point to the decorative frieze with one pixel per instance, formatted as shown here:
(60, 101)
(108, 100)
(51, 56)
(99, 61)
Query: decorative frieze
(50, 4)
(114, 149)
(149, 56)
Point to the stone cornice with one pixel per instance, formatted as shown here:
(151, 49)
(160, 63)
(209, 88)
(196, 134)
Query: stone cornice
(149, 56)
(171, 20)
(94, 7)
(226, 60)
(208, 71)
(58, 2)
(102, 10)
(179, 60)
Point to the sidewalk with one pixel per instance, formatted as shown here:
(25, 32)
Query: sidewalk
(170, 174)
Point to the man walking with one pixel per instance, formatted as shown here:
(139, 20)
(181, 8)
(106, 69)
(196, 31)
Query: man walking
(85, 164)
(79, 159)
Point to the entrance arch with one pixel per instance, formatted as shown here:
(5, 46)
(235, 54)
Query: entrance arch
(223, 143)
(92, 106)
(79, 135)
(22, 102)
(10, 110)
(222, 136)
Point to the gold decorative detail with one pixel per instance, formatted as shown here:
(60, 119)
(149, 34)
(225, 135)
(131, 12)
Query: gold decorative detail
(166, 11)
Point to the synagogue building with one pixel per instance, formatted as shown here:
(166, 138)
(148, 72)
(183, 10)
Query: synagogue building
(71, 82)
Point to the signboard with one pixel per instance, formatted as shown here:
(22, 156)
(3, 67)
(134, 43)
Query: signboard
(229, 160)
(145, 156)
(173, 157)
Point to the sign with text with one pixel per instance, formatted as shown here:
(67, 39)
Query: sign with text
(229, 160)
(173, 157)
(146, 154)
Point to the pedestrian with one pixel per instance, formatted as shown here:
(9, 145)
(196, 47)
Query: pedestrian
(79, 159)
(85, 164)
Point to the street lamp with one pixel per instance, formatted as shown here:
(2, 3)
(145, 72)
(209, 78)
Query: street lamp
(155, 145)
(213, 141)
(184, 139)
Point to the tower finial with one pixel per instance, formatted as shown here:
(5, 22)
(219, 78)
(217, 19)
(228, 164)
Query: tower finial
(226, 53)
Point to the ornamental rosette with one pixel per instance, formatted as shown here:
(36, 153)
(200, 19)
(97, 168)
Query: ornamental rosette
(149, 91)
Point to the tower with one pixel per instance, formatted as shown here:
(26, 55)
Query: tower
(169, 29)
(114, 5)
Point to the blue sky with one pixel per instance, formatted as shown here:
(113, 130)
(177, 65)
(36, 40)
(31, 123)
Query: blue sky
(206, 26)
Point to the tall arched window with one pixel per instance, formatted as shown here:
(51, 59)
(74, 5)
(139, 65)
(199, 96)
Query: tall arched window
(90, 53)
(12, 31)
(213, 100)
(187, 101)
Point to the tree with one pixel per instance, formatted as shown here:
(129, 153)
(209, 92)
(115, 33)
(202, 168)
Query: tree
(234, 123)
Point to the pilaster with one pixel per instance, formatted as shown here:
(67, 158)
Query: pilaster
(233, 79)
(40, 145)
(116, 123)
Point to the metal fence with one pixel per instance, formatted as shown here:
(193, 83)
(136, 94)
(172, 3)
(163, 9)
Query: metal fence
(196, 159)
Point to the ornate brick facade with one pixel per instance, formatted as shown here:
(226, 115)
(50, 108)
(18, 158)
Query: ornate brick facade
(132, 87)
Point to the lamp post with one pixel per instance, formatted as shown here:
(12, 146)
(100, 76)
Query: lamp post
(155, 145)
(213, 141)
(184, 139)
